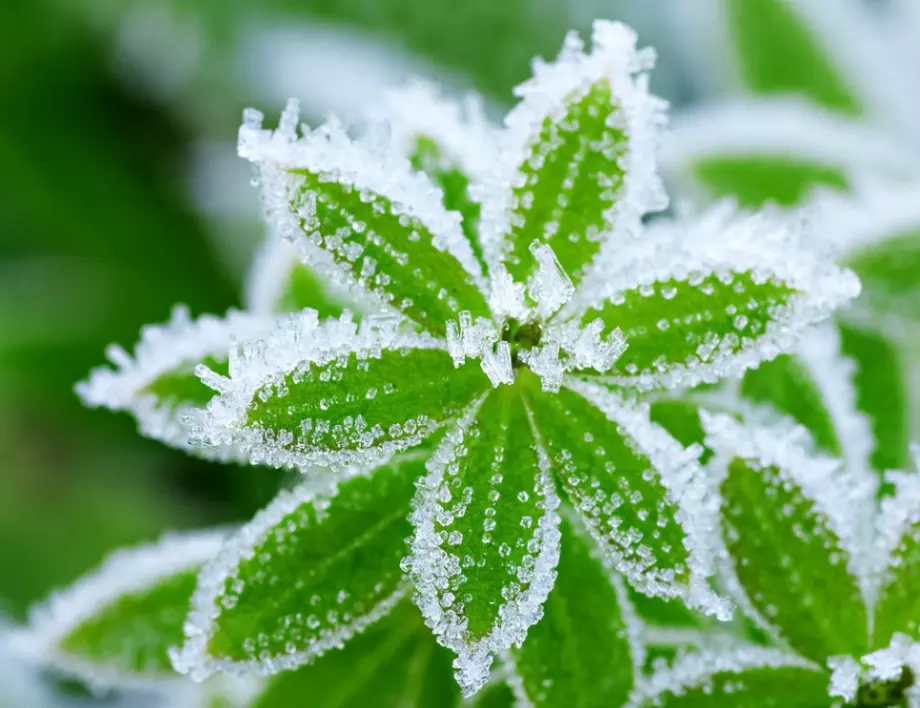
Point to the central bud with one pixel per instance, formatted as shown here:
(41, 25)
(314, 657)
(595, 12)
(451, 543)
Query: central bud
(880, 694)
(521, 336)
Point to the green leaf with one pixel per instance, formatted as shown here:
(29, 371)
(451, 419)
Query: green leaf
(280, 282)
(724, 293)
(362, 218)
(486, 540)
(114, 626)
(579, 655)
(495, 694)
(789, 522)
(158, 385)
(638, 492)
(393, 664)
(880, 393)
(781, 50)
(747, 677)
(580, 156)
(336, 394)
(887, 268)
(304, 575)
(681, 418)
(756, 180)
(898, 606)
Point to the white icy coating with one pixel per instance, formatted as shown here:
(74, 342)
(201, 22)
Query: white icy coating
(459, 127)
(723, 242)
(695, 671)
(433, 566)
(179, 344)
(783, 128)
(297, 343)
(269, 275)
(193, 658)
(845, 672)
(549, 287)
(123, 573)
(686, 484)
(614, 57)
(898, 520)
(371, 166)
(844, 501)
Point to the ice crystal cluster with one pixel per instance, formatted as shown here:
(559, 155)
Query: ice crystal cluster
(469, 343)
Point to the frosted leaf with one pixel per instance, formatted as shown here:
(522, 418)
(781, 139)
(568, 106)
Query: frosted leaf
(580, 653)
(394, 662)
(360, 216)
(876, 232)
(334, 393)
(797, 529)
(640, 494)
(898, 548)
(714, 297)
(450, 141)
(113, 627)
(844, 677)
(309, 571)
(744, 676)
(579, 154)
(815, 387)
(280, 282)
(486, 541)
(157, 385)
(883, 677)
(774, 150)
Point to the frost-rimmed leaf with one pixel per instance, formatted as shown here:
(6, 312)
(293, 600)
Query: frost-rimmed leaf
(583, 653)
(114, 626)
(450, 141)
(334, 393)
(486, 537)
(762, 150)
(396, 662)
(363, 219)
(897, 607)
(710, 298)
(157, 385)
(798, 530)
(815, 387)
(308, 572)
(877, 234)
(592, 111)
(641, 495)
(279, 282)
(745, 677)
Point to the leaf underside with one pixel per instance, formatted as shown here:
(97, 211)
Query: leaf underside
(791, 564)
(392, 254)
(578, 655)
(571, 179)
(320, 568)
(676, 322)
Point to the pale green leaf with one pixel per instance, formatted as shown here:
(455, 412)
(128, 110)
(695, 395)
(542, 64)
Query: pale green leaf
(486, 539)
(747, 677)
(789, 522)
(898, 606)
(304, 575)
(157, 385)
(495, 694)
(365, 220)
(393, 664)
(579, 655)
(639, 493)
(115, 626)
(888, 270)
(782, 48)
(580, 156)
(279, 281)
(336, 394)
(708, 300)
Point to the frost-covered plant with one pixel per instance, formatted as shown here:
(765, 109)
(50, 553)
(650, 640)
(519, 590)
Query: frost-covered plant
(479, 401)
(824, 569)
